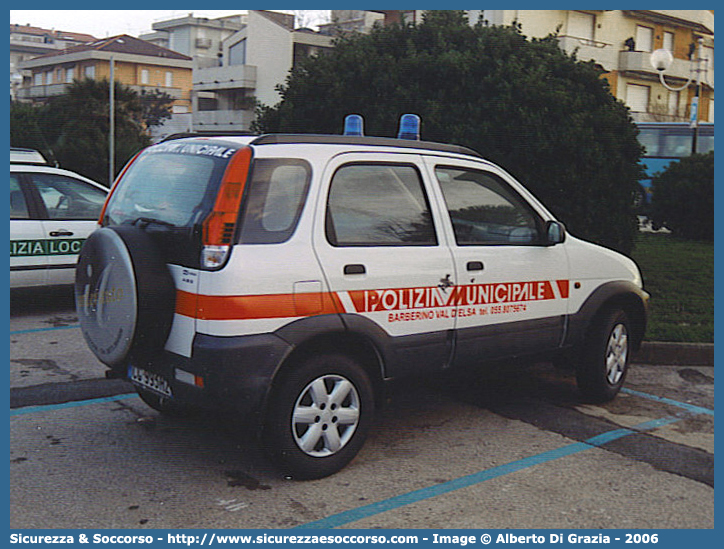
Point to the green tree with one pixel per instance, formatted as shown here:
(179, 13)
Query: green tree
(74, 127)
(525, 104)
(156, 107)
(683, 197)
(24, 126)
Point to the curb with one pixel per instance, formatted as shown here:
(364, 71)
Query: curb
(679, 354)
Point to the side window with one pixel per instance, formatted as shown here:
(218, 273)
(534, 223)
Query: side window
(378, 205)
(18, 206)
(484, 210)
(67, 198)
(274, 201)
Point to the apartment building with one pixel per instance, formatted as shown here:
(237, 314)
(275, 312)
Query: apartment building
(238, 61)
(346, 21)
(27, 42)
(242, 67)
(395, 17)
(621, 43)
(136, 63)
(198, 37)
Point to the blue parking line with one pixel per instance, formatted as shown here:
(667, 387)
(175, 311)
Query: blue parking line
(688, 407)
(359, 513)
(74, 404)
(415, 496)
(33, 330)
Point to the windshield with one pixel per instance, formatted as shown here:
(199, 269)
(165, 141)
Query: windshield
(169, 187)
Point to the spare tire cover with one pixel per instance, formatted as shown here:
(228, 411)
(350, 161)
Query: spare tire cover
(125, 294)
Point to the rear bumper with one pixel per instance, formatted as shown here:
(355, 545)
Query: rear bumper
(230, 373)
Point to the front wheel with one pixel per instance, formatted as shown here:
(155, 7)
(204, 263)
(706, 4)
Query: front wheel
(605, 359)
(319, 415)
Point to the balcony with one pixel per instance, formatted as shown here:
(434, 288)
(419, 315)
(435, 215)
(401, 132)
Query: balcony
(205, 121)
(35, 45)
(232, 77)
(42, 92)
(601, 53)
(174, 93)
(640, 62)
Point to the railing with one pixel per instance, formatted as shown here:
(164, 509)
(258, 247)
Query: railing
(586, 49)
(50, 90)
(225, 78)
(175, 93)
(222, 120)
(640, 61)
(38, 92)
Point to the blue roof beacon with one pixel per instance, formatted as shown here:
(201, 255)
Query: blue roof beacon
(409, 127)
(353, 125)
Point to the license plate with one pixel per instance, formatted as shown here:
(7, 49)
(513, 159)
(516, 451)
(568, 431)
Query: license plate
(149, 380)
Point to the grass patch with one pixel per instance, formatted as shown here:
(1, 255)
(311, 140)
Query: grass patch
(679, 275)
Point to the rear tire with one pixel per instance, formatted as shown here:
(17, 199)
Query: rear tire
(319, 415)
(605, 358)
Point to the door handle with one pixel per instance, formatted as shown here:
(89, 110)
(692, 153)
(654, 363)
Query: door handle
(475, 266)
(354, 269)
(61, 232)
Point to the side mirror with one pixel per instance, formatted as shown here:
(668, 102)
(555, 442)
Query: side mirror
(555, 233)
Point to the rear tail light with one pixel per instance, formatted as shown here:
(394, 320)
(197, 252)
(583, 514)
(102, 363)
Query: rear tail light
(220, 225)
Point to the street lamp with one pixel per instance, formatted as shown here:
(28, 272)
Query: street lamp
(662, 60)
(111, 126)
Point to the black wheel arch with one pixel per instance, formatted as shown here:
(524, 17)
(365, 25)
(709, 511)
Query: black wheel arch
(331, 334)
(623, 295)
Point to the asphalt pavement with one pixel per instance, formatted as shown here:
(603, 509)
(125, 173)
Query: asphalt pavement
(511, 446)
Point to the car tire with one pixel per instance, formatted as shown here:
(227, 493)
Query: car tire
(318, 416)
(125, 295)
(605, 358)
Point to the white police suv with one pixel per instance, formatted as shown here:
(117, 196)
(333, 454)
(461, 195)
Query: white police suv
(287, 277)
(52, 211)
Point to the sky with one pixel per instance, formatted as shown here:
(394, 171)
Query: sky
(104, 23)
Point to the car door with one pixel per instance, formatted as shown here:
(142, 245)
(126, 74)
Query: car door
(28, 261)
(384, 258)
(69, 208)
(512, 292)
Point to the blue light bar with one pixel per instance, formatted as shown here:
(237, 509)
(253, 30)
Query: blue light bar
(409, 127)
(353, 125)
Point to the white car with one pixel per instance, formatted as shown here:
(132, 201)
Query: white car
(288, 277)
(52, 212)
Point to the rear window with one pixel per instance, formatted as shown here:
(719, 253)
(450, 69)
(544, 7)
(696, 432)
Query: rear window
(173, 188)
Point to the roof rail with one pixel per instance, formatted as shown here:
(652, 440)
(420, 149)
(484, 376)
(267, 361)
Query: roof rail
(221, 133)
(278, 139)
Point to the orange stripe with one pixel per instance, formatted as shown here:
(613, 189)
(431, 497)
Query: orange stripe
(563, 287)
(245, 307)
